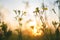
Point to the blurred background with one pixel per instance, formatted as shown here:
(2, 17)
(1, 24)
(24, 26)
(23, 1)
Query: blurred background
(29, 19)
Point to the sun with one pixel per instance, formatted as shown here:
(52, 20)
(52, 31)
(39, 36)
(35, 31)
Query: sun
(37, 32)
(34, 29)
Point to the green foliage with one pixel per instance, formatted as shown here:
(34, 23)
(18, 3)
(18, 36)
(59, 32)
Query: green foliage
(4, 27)
(48, 35)
(6, 34)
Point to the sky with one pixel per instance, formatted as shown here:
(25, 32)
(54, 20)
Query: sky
(10, 5)
(14, 4)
